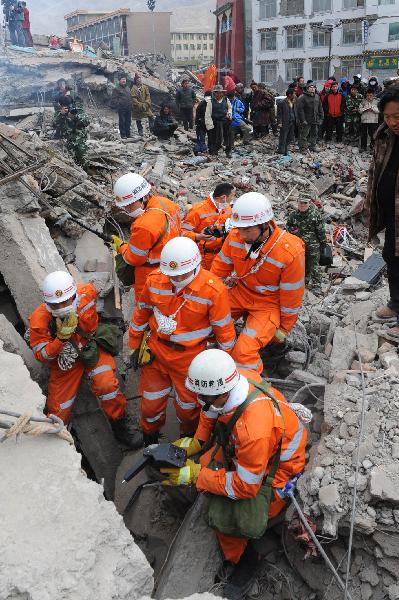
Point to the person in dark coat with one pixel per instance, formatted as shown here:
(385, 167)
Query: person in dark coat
(164, 124)
(200, 127)
(185, 100)
(286, 117)
(121, 100)
(261, 104)
(218, 116)
(310, 114)
(382, 201)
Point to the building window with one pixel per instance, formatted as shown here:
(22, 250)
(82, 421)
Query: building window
(320, 70)
(294, 38)
(351, 66)
(199, 46)
(291, 7)
(321, 5)
(211, 36)
(178, 37)
(352, 3)
(191, 36)
(268, 72)
(185, 36)
(293, 69)
(393, 32)
(205, 46)
(352, 33)
(268, 40)
(382, 2)
(192, 46)
(186, 46)
(178, 46)
(210, 46)
(320, 38)
(267, 9)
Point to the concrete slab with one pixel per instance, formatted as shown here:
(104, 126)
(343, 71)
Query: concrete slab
(13, 342)
(28, 254)
(54, 519)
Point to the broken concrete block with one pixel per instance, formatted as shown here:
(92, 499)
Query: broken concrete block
(28, 254)
(384, 483)
(13, 342)
(390, 359)
(393, 592)
(343, 351)
(395, 453)
(367, 346)
(354, 284)
(329, 500)
(90, 247)
(64, 523)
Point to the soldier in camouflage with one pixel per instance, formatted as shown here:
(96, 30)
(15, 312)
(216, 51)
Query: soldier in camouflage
(307, 223)
(352, 115)
(71, 124)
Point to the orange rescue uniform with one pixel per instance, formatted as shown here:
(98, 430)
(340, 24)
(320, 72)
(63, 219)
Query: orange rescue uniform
(206, 310)
(255, 439)
(202, 215)
(63, 385)
(148, 237)
(269, 298)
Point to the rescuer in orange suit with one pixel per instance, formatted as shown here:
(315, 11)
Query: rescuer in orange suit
(264, 267)
(213, 212)
(267, 438)
(156, 221)
(55, 327)
(181, 305)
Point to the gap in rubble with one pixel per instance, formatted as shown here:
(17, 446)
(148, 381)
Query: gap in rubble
(8, 307)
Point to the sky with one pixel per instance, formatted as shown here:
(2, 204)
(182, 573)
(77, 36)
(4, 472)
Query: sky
(47, 16)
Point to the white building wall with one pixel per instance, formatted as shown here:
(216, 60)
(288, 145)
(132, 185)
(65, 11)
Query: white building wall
(379, 17)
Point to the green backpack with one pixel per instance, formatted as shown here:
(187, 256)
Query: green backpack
(248, 517)
(106, 336)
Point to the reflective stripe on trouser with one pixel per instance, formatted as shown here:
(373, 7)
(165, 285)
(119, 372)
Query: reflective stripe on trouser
(233, 547)
(260, 328)
(165, 376)
(63, 387)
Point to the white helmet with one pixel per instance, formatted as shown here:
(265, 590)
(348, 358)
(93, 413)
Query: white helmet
(251, 209)
(179, 256)
(129, 188)
(58, 287)
(212, 372)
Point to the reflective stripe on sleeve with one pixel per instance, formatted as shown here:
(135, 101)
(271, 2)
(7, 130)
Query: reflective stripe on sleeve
(98, 370)
(227, 345)
(229, 485)
(109, 396)
(185, 405)
(248, 476)
(293, 445)
(67, 403)
(43, 352)
(144, 305)
(295, 285)
(161, 292)
(156, 395)
(88, 305)
(249, 332)
(197, 299)
(187, 226)
(153, 261)
(191, 335)
(252, 366)
(213, 214)
(236, 244)
(287, 310)
(276, 263)
(266, 288)
(138, 327)
(154, 419)
(222, 322)
(137, 251)
(39, 346)
(225, 259)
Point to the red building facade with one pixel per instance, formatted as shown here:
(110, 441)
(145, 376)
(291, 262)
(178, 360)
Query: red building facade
(230, 38)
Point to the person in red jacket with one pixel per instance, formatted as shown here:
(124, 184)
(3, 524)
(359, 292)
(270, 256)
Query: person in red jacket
(26, 27)
(334, 105)
(58, 329)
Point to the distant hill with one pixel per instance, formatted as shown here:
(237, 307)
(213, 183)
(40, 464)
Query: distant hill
(47, 16)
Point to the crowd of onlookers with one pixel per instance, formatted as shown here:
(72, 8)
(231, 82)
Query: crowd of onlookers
(16, 14)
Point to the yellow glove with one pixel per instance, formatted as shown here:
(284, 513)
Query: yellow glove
(187, 475)
(280, 335)
(190, 445)
(67, 327)
(116, 243)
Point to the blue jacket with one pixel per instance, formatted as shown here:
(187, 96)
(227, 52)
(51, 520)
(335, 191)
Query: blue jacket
(238, 108)
(344, 89)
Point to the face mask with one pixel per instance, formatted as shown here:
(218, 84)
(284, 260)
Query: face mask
(207, 406)
(134, 213)
(222, 205)
(179, 285)
(63, 312)
(217, 409)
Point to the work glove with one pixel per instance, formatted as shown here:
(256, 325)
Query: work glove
(190, 445)
(116, 243)
(66, 327)
(186, 475)
(280, 335)
(134, 359)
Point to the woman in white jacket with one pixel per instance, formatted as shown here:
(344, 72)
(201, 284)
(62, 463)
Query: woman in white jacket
(368, 118)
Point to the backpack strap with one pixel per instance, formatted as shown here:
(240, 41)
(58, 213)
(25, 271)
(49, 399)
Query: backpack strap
(165, 228)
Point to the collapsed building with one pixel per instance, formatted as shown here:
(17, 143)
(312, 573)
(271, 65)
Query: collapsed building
(340, 362)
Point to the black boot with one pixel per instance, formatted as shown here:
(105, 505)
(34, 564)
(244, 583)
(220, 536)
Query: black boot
(244, 575)
(151, 438)
(127, 433)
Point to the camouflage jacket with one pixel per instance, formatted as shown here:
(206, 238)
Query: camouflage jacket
(309, 226)
(352, 108)
(72, 127)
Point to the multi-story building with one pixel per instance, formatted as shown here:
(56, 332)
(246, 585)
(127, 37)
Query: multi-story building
(125, 32)
(234, 37)
(318, 38)
(191, 48)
